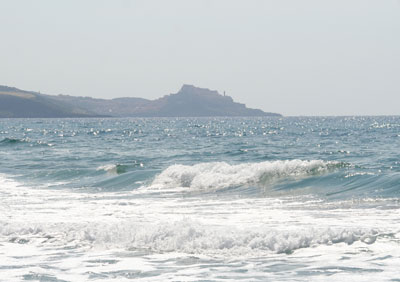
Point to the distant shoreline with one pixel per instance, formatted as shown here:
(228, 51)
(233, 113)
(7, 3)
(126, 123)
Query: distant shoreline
(189, 101)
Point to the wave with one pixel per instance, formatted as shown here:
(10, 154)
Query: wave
(120, 168)
(187, 236)
(7, 141)
(113, 168)
(15, 141)
(218, 175)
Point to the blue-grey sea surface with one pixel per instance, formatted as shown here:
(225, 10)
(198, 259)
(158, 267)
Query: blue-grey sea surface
(200, 199)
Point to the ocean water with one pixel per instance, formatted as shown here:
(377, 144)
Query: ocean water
(200, 199)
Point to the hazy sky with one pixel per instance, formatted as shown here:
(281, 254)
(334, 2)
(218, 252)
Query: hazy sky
(295, 57)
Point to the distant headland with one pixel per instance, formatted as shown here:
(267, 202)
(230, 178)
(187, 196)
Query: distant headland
(190, 101)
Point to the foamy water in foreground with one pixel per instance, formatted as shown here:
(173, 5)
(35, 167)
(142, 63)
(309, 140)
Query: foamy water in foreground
(200, 199)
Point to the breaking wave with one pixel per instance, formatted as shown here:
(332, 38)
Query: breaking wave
(186, 236)
(113, 168)
(217, 175)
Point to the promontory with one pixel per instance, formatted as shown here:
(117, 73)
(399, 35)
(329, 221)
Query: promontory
(189, 101)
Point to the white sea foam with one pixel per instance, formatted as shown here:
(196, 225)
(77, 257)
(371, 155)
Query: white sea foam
(194, 238)
(8, 186)
(112, 168)
(83, 236)
(108, 168)
(217, 175)
(185, 236)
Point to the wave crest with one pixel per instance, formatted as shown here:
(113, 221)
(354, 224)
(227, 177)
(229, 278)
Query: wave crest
(113, 168)
(217, 175)
(8, 141)
(190, 237)
(15, 141)
(187, 236)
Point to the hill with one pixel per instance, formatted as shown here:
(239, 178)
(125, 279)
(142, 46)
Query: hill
(25, 104)
(190, 101)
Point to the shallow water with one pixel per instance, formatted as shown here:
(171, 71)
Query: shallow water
(207, 199)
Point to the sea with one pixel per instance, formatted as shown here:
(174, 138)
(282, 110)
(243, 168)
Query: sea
(200, 199)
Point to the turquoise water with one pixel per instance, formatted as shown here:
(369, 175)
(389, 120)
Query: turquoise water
(200, 199)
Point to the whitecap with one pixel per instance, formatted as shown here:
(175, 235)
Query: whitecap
(217, 175)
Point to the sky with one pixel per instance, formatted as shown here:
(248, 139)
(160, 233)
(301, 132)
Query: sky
(294, 57)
